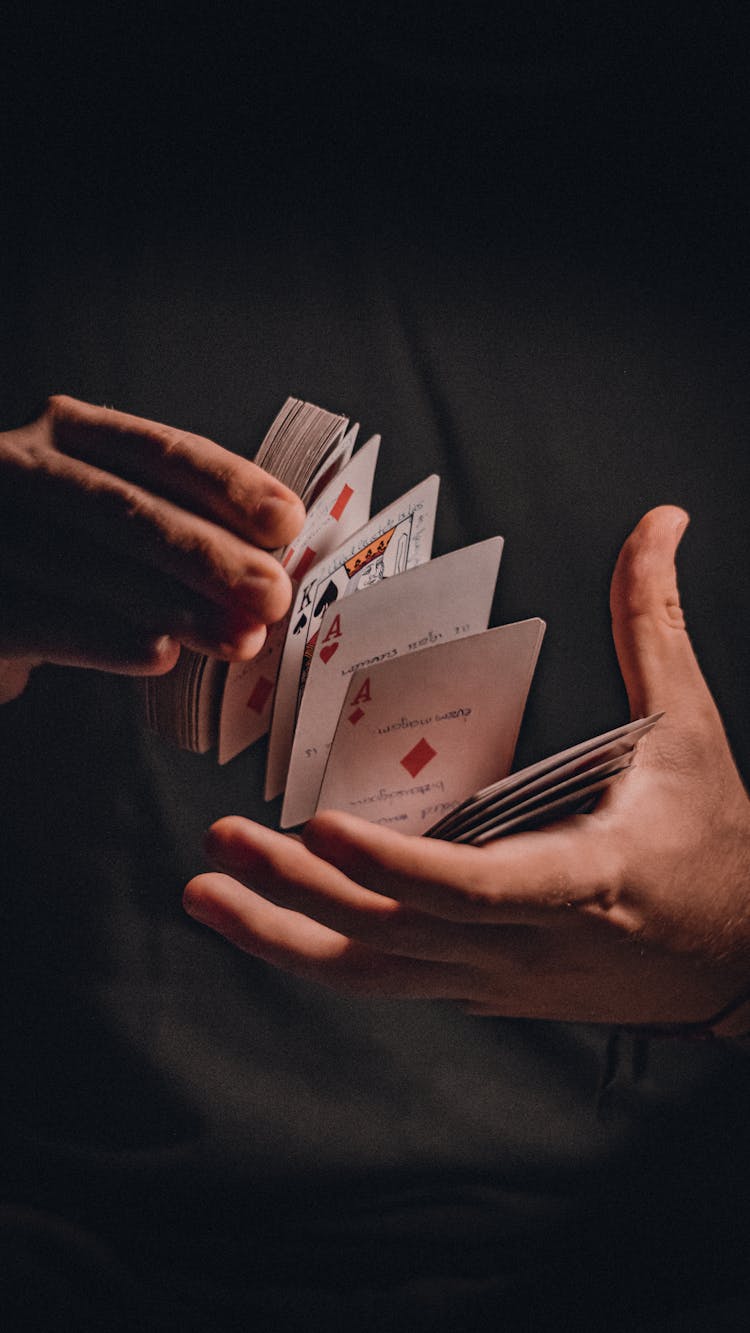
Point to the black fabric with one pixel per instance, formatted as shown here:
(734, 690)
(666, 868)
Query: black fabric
(534, 286)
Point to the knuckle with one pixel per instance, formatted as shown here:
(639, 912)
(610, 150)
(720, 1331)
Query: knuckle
(59, 405)
(213, 561)
(228, 482)
(22, 453)
(608, 883)
(71, 422)
(123, 504)
(246, 483)
(650, 590)
(168, 440)
(134, 505)
(124, 500)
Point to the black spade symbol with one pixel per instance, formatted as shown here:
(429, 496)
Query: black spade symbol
(324, 601)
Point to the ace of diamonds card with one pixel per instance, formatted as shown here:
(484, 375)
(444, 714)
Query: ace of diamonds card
(418, 734)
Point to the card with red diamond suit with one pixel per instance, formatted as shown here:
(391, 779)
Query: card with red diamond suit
(340, 510)
(418, 734)
(446, 599)
(396, 539)
(305, 447)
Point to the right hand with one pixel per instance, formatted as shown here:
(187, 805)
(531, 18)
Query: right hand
(122, 539)
(636, 914)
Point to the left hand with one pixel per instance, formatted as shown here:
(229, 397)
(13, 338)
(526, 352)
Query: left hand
(638, 913)
(123, 538)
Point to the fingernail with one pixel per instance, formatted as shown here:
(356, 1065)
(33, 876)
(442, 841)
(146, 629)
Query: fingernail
(274, 516)
(242, 617)
(263, 598)
(163, 645)
(248, 645)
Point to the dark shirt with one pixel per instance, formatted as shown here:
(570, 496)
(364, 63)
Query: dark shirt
(537, 296)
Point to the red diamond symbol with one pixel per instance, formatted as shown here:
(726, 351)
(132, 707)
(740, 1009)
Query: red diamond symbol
(419, 757)
(259, 696)
(345, 496)
(356, 716)
(307, 558)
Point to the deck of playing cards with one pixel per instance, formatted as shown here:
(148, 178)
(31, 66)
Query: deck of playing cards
(384, 691)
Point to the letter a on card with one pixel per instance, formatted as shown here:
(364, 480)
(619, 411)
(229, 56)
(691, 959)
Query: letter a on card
(363, 695)
(341, 509)
(448, 716)
(379, 624)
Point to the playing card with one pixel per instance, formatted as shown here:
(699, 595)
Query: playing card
(398, 538)
(187, 711)
(478, 814)
(446, 599)
(302, 444)
(436, 724)
(340, 510)
(529, 803)
(577, 802)
(550, 770)
(330, 466)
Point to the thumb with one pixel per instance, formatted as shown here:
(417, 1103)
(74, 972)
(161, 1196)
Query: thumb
(656, 657)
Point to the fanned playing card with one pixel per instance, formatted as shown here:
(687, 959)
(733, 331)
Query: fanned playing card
(304, 447)
(416, 734)
(445, 599)
(396, 539)
(341, 509)
(560, 785)
(464, 695)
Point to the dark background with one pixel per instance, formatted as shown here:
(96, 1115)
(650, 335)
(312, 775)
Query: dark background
(551, 199)
(513, 238)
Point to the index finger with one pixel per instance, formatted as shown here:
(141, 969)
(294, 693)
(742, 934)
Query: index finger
(177, 465)
(529, 878)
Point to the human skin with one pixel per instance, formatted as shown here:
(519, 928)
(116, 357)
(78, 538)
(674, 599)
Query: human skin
(637, 913)
(122, 539)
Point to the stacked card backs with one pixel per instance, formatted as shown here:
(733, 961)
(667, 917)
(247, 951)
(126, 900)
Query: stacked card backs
(560, 785)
